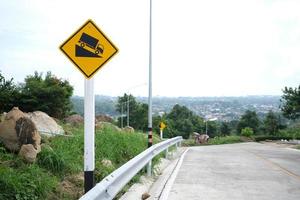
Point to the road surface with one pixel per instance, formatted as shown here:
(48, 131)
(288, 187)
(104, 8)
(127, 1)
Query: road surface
(236, 171)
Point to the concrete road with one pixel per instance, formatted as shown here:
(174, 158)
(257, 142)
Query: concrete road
(237, 171)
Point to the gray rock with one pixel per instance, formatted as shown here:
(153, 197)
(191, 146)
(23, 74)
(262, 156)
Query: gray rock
(128, 129)
(28, 153)
(27, 133)
(74, 120)
(45, 124)
(8, 133)
(16, 130)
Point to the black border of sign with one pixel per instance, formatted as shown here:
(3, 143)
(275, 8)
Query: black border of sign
(88, 21)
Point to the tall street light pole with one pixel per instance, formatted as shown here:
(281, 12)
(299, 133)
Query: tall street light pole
(150, 80)
(150, 90)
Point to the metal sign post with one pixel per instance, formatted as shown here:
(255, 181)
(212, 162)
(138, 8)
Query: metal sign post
(89, 49)
(162, 126)
(89, 134)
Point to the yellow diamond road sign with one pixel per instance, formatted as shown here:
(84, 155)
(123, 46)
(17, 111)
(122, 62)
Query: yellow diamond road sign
(162, 126)
(89, 49)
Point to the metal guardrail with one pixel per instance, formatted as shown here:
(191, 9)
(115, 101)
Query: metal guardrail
(109, 187)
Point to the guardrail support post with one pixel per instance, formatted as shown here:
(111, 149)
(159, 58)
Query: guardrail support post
(149, 166)
(167, 152)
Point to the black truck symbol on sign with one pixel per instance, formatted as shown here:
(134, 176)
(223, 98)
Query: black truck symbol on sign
(94, 47)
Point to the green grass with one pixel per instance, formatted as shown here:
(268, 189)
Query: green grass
(225, 140)
(22, 181)
(297, 147)
(61, 161)
(216, 141)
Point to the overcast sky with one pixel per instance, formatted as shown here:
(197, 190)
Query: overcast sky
(200, 47)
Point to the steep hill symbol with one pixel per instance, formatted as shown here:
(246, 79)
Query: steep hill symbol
(82, 52)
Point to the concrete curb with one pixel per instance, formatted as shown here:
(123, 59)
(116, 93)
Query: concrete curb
(153, 185)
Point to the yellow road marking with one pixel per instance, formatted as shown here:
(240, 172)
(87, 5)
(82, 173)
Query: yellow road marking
(277, 165)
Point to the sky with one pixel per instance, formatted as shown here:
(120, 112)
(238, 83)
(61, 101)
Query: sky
(200, 47)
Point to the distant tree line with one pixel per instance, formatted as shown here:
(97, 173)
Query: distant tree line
(103, 105)
(182, 121)
(49, 94)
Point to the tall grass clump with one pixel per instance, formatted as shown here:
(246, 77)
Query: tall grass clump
(52, 161)
(117, 147)
(27, 182)
(67, 152)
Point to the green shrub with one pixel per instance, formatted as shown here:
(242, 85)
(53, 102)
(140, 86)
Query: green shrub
(290, 132)
(247, 132)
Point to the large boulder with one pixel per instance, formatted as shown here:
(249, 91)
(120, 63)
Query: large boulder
(17, 129)
(128, 129)
(28, 153)
(200, 138)
(28, 133)
(2, 117)
(8, 134)
(74, 120)
(203, 138)
(45, 124)
(103, 118)
(107, 125)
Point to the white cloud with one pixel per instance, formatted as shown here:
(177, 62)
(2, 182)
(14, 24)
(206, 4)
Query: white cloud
(200, 48)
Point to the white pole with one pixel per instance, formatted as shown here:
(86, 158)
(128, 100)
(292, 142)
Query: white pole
(150, 90)
(161, 134)
(128, 110)
(89, 134)
(121, 115)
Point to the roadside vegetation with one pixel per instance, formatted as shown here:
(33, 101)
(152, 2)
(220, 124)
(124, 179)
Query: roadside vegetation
(58, 171)
(217, 140)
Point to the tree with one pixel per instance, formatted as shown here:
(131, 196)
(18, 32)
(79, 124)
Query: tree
(290, 102)
(51, 95)
(138, 112)
(139, 118)
(180, 112)
(212, 129)
(182, 122)
(9, 94)
(122, 102)
(198, 123)
(271, 123)
(249, 119)
(233, 126)
(224, 129)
